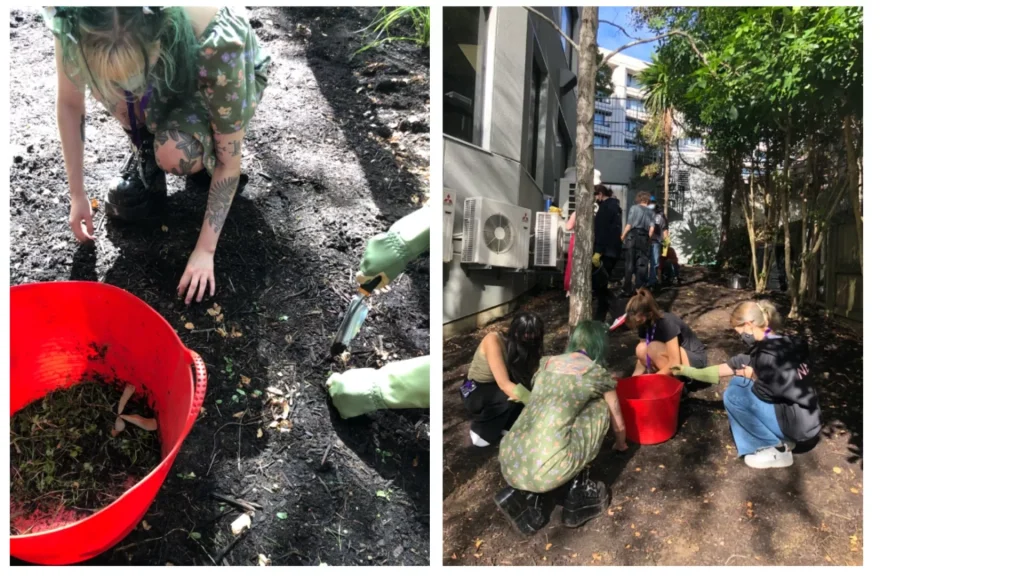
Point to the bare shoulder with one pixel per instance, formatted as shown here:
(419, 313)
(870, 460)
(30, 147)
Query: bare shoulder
(201, 16)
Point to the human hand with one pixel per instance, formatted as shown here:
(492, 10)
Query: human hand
(80, 219)
(198, 275)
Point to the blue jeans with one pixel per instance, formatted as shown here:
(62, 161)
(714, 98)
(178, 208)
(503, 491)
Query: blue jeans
(655, 256)
(753, 421)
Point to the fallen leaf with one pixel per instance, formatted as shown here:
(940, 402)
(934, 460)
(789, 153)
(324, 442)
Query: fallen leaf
(633, 526)
(235, 333)
(219, 319)
(638, 469)
(164, 228)
(854, 490)
(240, 524)
(661, 465)
(259, 432)
(263, 560)
(282, 515)
(837, 470)
(637, 534)
(144, 423)
(653, 489)
(656, 512)
(272, 425)
(94, 203)
(475, 544)
(190, 326)
(214, 311)
(548, 547)
(478, 554)
(596, 556)
(238, 414)
(455, 556)
(272, 390)
(146, 526)
(195, 535)
(129, 391)
(611, 513)
(628, 546)
(245, 380)
(288, 338)
(223, 333)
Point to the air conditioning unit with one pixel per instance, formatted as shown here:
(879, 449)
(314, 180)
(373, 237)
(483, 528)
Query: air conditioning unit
(495, 234)
(550, 240)
(448, 222)
(567, 194)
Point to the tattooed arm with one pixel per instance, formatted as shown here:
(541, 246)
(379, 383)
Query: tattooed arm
(199, 272)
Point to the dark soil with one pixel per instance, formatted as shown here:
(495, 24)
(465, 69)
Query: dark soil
(690, 500)
(323, 180)
(65, 461)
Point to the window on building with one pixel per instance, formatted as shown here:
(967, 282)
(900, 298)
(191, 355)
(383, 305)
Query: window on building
(634, 126)
(602, 118)
(631, 144)
(464, 39)
(694, 141)
(568, 26)
(633, 80)
(537, 89)
(634, 104)
(601, 140)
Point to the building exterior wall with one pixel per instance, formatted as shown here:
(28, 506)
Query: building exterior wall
(498, 166)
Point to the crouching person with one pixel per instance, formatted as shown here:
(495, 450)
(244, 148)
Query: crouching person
(559, 433)
(770, 401)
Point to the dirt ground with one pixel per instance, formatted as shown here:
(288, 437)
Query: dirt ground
(338, 150)
(690, 500)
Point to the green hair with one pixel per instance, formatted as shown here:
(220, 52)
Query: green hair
(126, 39)
(592, 336)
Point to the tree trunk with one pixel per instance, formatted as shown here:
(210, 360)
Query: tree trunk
(771, 223)
(787, 166)
(805, 245)
(748, 217)
(667, 164)
(579, 286)
(733, 177)
(853, 180)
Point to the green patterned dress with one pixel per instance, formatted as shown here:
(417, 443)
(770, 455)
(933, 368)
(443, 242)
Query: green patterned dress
(232, 72)
(561, 429)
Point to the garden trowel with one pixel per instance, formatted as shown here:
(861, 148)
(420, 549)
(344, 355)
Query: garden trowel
(354, 317)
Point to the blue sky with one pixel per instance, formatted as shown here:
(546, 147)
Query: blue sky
(611, 37)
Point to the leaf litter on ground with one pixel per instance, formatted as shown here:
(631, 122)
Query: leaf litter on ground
(65, 461)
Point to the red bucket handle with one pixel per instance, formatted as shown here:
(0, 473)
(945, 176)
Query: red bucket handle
(198, 386)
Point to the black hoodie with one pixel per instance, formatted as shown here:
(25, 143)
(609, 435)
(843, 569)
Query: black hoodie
(608, 228)
(776, 363)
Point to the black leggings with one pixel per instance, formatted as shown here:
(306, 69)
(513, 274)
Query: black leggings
(491, 410)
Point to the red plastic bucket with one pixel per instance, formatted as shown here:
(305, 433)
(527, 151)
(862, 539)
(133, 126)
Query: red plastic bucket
(59, 331)
(650, 407)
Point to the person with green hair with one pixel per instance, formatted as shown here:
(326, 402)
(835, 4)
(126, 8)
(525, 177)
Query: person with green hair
(402, 384)
(559, 434)
(184, 83)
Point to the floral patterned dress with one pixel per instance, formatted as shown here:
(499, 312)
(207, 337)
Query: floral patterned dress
(233, 73)
(561, 429)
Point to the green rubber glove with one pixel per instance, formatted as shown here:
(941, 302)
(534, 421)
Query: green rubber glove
(389, 253)
(402, 384)
(596, 259)
(522, 394)
(709, 374)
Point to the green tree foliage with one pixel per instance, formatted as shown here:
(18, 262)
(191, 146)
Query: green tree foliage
(770, 89)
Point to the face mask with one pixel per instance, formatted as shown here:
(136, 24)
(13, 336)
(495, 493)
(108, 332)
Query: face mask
(748, 339)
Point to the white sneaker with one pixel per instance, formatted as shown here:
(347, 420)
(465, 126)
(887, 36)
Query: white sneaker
(477, 440)
(769, 457)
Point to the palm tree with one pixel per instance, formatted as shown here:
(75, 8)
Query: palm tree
(661, 86)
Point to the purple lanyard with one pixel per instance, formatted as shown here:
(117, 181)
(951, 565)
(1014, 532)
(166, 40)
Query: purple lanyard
(130, 100)
(584, 352)
(650, 336)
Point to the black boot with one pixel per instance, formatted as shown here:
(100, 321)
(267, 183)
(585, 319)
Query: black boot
(587, 499)
(142, 186)
(521, 508)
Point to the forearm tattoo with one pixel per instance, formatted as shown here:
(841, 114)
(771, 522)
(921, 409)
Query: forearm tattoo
(82, 127)
(231, 149)
(221, 193)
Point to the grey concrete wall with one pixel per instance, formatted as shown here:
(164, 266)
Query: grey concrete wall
(495, 170)
(615, 164)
